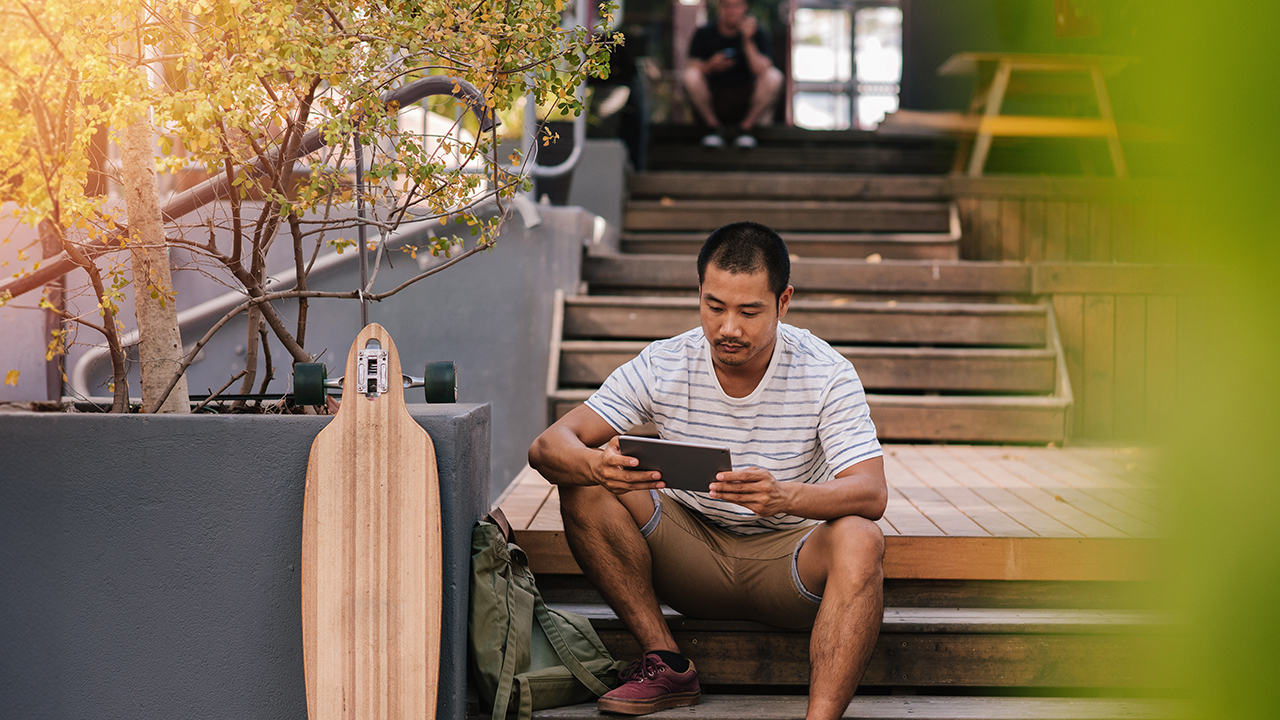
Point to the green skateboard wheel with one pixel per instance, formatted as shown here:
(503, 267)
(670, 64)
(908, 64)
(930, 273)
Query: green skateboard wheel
(308, 384)
(440, 382)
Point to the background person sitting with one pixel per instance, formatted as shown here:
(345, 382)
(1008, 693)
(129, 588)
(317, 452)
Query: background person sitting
(730, 79)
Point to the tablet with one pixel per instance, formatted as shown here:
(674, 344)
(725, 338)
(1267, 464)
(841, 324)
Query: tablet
(687, 466)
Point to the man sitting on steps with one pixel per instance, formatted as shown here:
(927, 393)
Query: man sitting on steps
(787, 538)
(729, 78)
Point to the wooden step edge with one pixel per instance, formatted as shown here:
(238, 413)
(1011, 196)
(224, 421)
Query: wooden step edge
(908, 352)
(897, 238)
(949, 558)
(912, 207)
(838, 305)
(967, 402)
(971, 621)
(920, 707)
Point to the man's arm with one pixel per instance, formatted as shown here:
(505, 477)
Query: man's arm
(569, 453)
(857, 490)
(756, 60)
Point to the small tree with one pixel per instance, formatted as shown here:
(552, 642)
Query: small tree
(242, 91)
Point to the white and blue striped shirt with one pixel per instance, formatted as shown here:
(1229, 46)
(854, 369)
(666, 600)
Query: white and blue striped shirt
(806, 421)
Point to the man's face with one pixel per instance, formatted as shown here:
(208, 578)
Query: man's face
(729, 13)
(740, 315)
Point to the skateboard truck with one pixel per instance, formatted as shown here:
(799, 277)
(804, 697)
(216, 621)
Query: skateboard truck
(311, 384)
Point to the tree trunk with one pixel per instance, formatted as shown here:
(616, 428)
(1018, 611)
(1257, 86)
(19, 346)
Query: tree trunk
(160, 345)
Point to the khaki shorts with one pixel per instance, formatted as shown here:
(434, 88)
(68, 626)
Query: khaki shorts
(703, 571)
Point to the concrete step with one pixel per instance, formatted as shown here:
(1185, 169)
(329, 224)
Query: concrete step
(969, 370)
(790, 215)
(784, 149)
(889, 246)
(883, 707)
(929, 647)
(861, 323)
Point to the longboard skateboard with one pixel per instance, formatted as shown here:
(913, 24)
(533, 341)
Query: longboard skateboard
(371, 553)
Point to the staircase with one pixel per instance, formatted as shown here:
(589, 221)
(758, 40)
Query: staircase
(949, 351)
(1028, 608)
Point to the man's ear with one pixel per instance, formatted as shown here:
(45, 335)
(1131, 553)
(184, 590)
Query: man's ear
(784, 301)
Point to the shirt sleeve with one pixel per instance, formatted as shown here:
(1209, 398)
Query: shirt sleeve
(625, 399)
(845, 429)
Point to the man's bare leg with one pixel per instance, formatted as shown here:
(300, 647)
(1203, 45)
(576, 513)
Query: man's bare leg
(765, 93)
(842, 561)
(603, 531)
(699, 94)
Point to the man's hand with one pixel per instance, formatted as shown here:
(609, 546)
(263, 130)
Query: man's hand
(610, 471)
(748, 28)
(753, 488)
(719, 62)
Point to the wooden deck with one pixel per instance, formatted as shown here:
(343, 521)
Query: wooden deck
(967, 513)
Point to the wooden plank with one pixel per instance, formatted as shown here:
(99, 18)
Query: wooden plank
(936, 419)
(1122, 232)
(1130, 367)
(886, 707)
(1162, 364)
(990, 519)
(940, 511)
(1067, 488)
(1069, 310)
(1058, 188)
(548, 517)
(906, 518)
(1100, 232)
(798, 186)
(1136, 279)
(1098, 396)
(1055, 230)
(1144, 232)
(836, 321)
(889, 246)
(938, 557)
(1033, 230)
(521, 503)
(989, 229)
(1012, 237)
(822, 274)
(970, 229)
(1047, 500)
(1026, 515)
(1139, 502)
(1124, 477)
(1078, 227)
(1169, 235)
(809, 215)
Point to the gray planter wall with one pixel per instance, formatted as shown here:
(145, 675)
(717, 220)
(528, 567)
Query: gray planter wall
(149, 565)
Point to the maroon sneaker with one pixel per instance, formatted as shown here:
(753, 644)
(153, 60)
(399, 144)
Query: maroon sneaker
(649, 685)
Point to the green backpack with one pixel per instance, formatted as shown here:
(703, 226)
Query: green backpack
(515, 661)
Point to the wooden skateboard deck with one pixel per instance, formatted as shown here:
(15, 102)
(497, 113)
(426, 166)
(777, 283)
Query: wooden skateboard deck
(371, 555)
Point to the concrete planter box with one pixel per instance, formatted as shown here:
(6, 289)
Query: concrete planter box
(149, 565)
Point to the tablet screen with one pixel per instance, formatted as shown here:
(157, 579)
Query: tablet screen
(687, 466)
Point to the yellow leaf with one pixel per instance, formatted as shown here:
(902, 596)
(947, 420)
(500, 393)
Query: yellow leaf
(11, 377)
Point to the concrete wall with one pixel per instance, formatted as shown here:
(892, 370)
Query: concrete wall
(150, 564)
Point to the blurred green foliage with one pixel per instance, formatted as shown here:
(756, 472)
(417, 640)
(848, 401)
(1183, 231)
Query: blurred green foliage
(1211, 74)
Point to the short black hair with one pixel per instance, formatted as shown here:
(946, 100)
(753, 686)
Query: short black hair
(747, 247)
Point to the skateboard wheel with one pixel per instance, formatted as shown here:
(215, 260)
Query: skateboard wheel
(440, 382)
(308, 384)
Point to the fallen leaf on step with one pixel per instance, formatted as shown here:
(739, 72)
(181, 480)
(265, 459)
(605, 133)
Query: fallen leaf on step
(794, 257)
(666, 202)
(1059, 498)
(892, 303)
(839, 301)
(1052, 445)
(874, 258)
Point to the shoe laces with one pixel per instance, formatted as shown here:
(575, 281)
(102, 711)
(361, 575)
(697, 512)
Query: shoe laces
(647, 666)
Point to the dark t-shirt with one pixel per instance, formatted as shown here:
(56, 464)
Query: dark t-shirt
(708, 41)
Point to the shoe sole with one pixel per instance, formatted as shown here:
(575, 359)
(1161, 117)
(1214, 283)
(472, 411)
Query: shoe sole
(666, 702)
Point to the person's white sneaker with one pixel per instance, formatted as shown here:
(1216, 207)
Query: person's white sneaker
(745, 140)
(713, 140)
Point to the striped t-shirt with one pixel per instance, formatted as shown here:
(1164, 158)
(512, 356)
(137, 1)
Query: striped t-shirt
(806, 421)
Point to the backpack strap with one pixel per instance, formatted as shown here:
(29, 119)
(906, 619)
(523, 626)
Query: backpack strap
(567, 657)
(508, 675)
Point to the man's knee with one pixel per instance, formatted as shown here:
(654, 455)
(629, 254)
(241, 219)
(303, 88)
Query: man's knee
(857, 540)
(593, 504)
(693, 79)
(771, 80)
